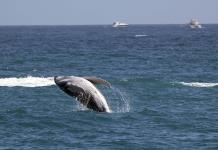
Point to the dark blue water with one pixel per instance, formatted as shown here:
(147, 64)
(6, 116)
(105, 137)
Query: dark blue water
(164, 94)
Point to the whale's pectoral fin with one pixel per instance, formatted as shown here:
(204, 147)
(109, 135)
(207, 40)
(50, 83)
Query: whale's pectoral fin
(96, 80)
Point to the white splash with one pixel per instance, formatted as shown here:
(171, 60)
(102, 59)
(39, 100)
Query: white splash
(198, 84)
(141, 35)
(122, 102)
(28, 81)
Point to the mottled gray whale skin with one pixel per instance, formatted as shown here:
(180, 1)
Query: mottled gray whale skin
(84, 90)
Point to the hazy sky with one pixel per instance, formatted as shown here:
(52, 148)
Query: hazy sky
(74, 12)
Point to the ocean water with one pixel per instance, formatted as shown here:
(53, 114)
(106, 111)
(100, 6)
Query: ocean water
(164, 91)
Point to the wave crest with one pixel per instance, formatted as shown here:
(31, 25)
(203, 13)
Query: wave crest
(198, 84)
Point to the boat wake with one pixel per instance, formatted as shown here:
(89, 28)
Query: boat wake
(198, 84)
(28, 81)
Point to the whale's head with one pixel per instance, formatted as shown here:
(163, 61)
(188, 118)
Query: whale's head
(58, 80)
(69, 84)
(61, 81)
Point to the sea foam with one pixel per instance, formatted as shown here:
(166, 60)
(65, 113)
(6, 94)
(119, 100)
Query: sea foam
(28, 81)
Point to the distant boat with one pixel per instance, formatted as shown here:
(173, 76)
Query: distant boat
(194, 24)
(119, 24)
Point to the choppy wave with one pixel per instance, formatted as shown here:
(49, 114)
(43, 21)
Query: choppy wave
(28, 81)
(198, 84)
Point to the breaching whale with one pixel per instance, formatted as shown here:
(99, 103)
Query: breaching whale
(84, 90)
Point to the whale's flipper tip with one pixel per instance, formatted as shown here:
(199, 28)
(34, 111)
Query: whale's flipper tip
(96, 80)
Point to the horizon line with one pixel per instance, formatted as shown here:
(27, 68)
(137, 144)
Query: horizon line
(100, 24)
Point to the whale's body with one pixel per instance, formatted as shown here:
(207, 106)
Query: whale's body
(84, 90)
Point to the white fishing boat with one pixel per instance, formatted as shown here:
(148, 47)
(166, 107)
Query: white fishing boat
(194, 24)
(119, 24)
